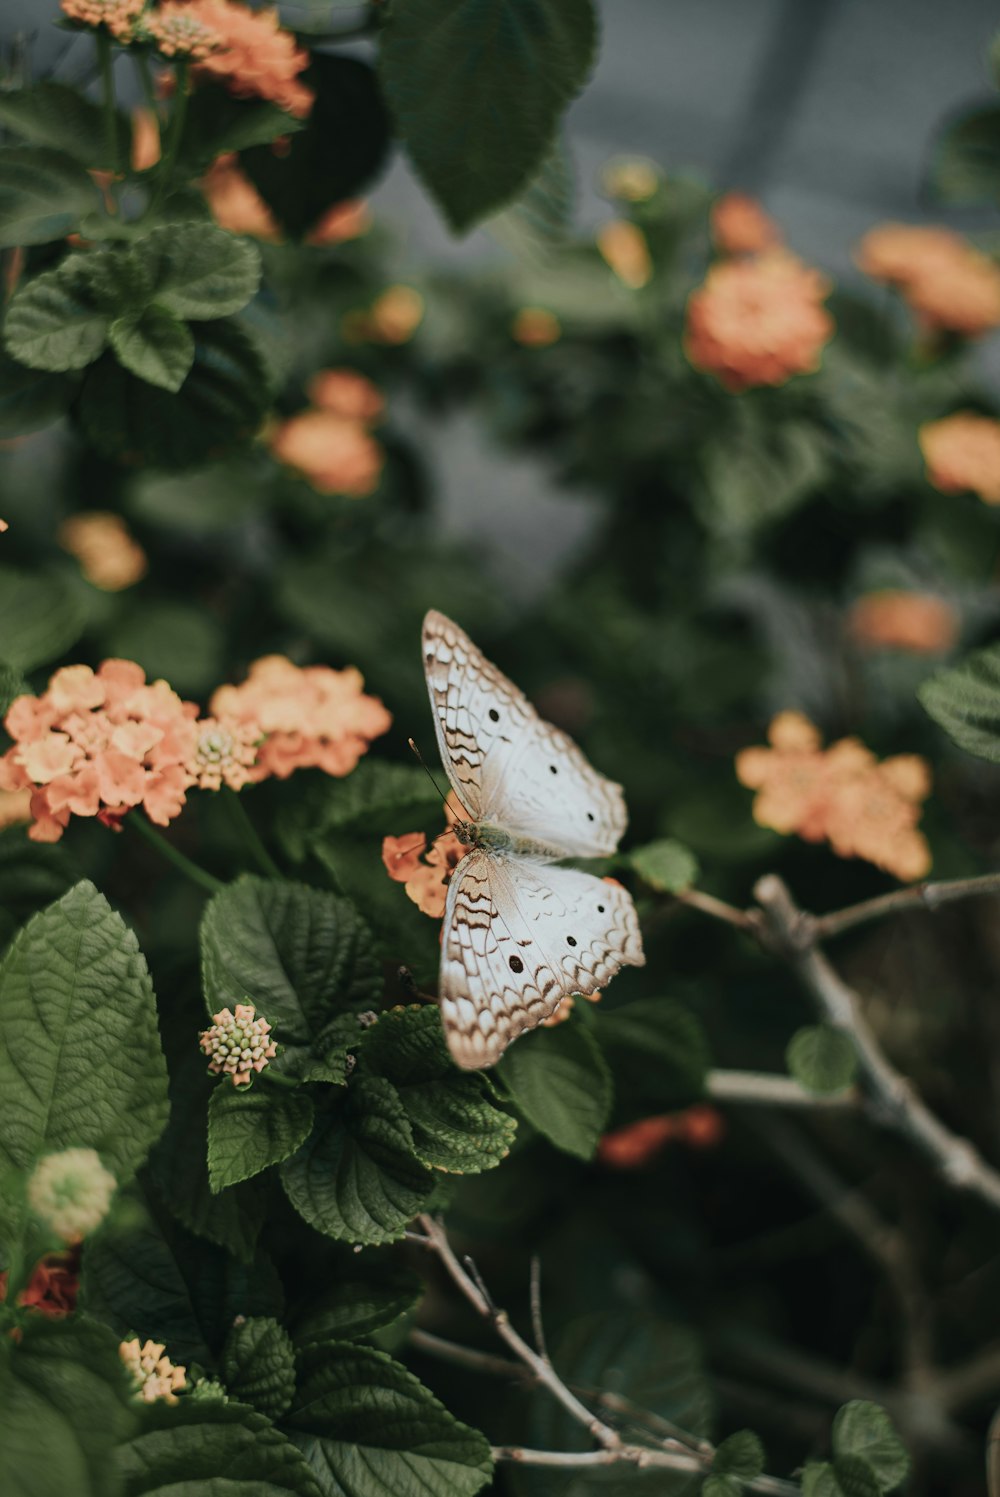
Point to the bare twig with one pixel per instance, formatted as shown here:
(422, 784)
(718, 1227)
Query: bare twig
(628, 1455)
(746, 920)
(537, 1325)
(920, 897)
(760, 1087)
(891, 1098)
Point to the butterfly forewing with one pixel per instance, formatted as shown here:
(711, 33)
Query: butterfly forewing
(508, 767)
(519, 936)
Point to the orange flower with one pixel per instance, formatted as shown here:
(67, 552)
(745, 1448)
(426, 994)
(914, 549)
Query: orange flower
(235, 203)
(119, 16)
(962, 453)
(346, 393)
(154, 1377)
(392, 318)
(337, 456)
(426, 871)
(145, 139)
(311, 717)
(15, 807)
(534, 327)
(53, 1286)
(741, 227)
(631, 178)
(223, 753)
(898, 620)
(759, 320)
(951, 286)
(109, 557)
(841, 794)
(347, 220)
(178, 32)
(257, 58)
(631, 1147)
(623, 246)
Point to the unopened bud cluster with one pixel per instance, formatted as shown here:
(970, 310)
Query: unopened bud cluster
(153, 1374)
(237, 1044)
(71, 1192)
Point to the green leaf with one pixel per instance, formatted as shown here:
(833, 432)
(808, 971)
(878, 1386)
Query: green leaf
(667, 866)
(755, 472)
(53, 114)
(369, 1428)
(80, 1057)
(854, 1477)
(180, 642)
(355, 1308)
(822, 1059)
(537, 223)
(198, 270)
(30, 398)
(864, 1430)
(12, 686)
(155, 345)
(32, 874)
(63, 1409)
(374, 799)
(220, 404)
(301, 956)
(258, 1365)
(657, 1052)
(250, 1128)
(505, 68)
(41, 617)
(741, 1455)
(455, 1123)
(721, 1486)
(302, 183)
(965, 166)
(55, 321)
(965, 700)
(210, 1447)
(43, 195)
(558, 1079)
(216, 122)
(357, 1178)
(818, 1480)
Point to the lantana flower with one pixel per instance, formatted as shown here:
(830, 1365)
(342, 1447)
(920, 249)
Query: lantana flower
(392, 318)
(119, 16)
(70, 1191)
(424, 871)
(154, 1377)
(330, 444)
(895, 619)
(962, 454)
(235, 203)
(178, 31)
(951, 286)
(346, 393)
(108, 554)
(238, 1045)
(741, 227)
(308, 717)
(223, 753)
(629, 1148)
(841, 794)
(53, 1287)
(623, 247)
(759, 320)
(257, 58)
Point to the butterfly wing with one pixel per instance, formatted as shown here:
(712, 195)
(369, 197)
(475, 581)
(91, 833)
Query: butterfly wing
(518, 937)
(507, 766)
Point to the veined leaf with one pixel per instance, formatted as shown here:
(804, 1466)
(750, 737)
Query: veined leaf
(55, 321)
(43, 195)
(258, 1365)
(55, 115)
(155, 345)
(211, 1447)
(558, 1079)
(198, 270)
(965, 700)
(250, 1128)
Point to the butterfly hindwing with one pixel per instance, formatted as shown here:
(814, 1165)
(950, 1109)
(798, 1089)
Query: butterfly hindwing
(518, 937)
(508, 767)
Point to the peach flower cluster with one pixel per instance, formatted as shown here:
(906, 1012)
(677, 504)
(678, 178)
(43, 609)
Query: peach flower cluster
(235, 203)
(895, 619)
(178, 31)
(842, 794)
(425, 871)
(256, 58)
(631, 1147)
(758, 320)
(108, 554)
(330, 444)
(308, 717)
(392, 318)
(623, 247)
(70, 1192)
(119, 16)
(535, 327)
(962, 454)
(154, 1376)
(53, 1287)
(951, 286)
(741, 227)
(238, 1045)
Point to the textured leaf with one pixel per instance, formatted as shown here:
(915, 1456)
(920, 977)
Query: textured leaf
(374, 799)
(55, 321)
(822, 1059)
(740, 1455)
(657, 1052)
(43, 195)
(182, 642)
(537, 223)
(455, 1123)
(756, 473)
(357, 1178)
(965, 700)
(355, 1308)
(32, 874)
(258, 1366)
(250, 1128)
(55, 115)
(12, 686)
(865, 1430)
(80, 1057)
(216, 122)
(505, 68)
(818, 1480)
(854, 1477)
(369, 1428)
(155, 345)
(965, 167)
(667, 865)
(30, 398)
(40, 617)
(198, 270)
(63, 1410)
(205, 1449)
(559, 1081)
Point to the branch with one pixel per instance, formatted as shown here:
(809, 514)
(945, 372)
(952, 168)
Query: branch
(921, 897)
(771, 1091)
(627, 1455)
(747, 920)
(892, 1099)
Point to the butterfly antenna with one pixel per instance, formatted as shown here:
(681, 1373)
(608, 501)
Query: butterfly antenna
(423, 764)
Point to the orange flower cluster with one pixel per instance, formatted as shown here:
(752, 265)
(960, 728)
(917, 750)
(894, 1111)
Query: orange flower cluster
(424, 870)
(741, 227)
(154, 1377)
(894, 619)
(631, 1147)
(311, 717)
(109, 556)
(178, 31)
(256, 58)
(951, 286)
(238, 1045)
(392, 318)
(962, 454)
(758, 320)
(235, 203)
(535, 327)
(842, 794)
(119, 16)
(53, 1287)
(330, 444)
(623, 247)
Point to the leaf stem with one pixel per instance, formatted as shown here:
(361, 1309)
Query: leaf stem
(199, 876)
(146, 79)
(104, 58)
(175, 131)
(249, 834)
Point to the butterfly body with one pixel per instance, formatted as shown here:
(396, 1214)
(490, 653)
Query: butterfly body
(519, 934)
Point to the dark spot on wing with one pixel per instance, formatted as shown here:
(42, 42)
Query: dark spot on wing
(494, 715)
(571, 940)
(516, 964)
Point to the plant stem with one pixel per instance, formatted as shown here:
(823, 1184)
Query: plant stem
(104, 58)
(772, 1090)
(146, 79)
(248, 832)
(174, 133)
(923, 896)
(199, 876)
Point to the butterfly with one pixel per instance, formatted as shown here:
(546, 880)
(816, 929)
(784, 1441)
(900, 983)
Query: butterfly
(519, 934)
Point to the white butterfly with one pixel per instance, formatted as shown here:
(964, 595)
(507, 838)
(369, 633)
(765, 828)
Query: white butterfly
(519, 935)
